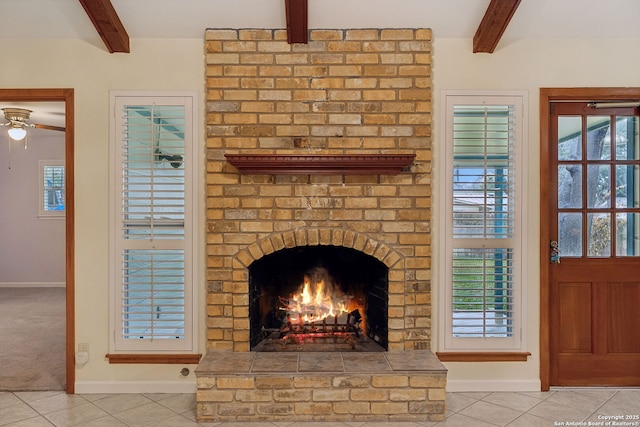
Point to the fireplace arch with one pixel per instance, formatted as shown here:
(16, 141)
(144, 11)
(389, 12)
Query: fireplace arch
(318, 236)
(240, 328)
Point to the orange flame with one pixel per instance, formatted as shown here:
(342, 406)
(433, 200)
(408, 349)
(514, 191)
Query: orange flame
(318, 299)
(315, 302)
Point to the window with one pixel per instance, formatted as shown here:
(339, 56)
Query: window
(483, 212)
(610, 180)
(51, 195)
(154, 281)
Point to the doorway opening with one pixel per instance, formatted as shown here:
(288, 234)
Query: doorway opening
(66, 96)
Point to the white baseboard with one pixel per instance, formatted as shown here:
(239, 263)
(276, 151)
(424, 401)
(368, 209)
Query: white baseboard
(492, 385)
(122, 387)
(33, 284)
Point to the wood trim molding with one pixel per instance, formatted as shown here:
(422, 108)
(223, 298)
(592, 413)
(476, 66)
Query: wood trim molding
(297, 12)
(493, 24)
(107, 22)
(66, 96)
(483, 356)
(319, 164)
(165, 359)
(545, 356)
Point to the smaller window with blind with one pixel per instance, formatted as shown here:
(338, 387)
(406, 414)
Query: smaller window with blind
(51, 195)
(484, 223)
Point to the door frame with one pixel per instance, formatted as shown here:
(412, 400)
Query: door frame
(65, 95)
(548, 95)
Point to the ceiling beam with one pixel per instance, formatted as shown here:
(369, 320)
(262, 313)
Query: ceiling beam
(106, 20)
(297, 18)
(494, 22)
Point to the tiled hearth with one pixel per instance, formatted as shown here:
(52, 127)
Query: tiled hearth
(326, 386)
(322, 113)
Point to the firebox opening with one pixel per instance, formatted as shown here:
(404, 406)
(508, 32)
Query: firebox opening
(318, 298)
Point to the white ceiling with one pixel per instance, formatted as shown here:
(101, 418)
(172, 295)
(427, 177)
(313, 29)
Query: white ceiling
(65, 19)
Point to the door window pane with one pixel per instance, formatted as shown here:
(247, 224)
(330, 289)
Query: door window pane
(627, 186)
(598, 186)
(569, 138)
(626, 138)
(598, 138)
(599, 235)
(627, 239)
(570, 234)
(570, 186)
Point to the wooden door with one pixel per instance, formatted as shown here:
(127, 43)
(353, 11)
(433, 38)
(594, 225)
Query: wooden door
(594, 221)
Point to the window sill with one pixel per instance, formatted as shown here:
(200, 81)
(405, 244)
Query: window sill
(167, 359)
(52, 216)
(483, 356)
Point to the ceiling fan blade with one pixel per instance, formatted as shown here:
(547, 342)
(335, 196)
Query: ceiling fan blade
(49, 127)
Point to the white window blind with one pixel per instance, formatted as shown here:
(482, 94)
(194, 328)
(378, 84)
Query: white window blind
(483, 168)
(482, 297)
(153, 289)
(483, 262)
(153, 294)
(153, 146)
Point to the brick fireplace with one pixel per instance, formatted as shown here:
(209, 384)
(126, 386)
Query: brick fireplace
(317, 131)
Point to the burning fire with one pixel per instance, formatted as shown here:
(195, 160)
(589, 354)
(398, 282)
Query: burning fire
(315, 302)
(320, 301)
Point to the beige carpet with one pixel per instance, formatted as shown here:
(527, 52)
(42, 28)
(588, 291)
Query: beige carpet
(32, 339)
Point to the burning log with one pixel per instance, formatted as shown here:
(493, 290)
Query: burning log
(345, 332)
(343, 323)
(332, 338)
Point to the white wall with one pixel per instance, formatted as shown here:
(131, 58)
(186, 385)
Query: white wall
(179, 65)
(521, 65)
(32, 249)
(93, 72)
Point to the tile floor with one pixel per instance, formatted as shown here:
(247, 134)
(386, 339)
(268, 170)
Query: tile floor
(561, 407)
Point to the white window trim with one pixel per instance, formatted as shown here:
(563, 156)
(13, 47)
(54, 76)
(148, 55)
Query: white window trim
(192, 222)
(446, 341)
(42, 213)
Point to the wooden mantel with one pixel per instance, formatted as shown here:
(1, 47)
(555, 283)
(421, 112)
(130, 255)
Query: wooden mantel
(320, 164)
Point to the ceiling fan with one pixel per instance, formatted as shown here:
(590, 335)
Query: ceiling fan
(18, 120)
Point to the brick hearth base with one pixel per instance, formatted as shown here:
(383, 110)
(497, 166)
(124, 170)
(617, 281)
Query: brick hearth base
(321, 386)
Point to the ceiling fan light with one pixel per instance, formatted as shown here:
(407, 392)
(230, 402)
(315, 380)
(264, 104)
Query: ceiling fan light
(17, 133)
